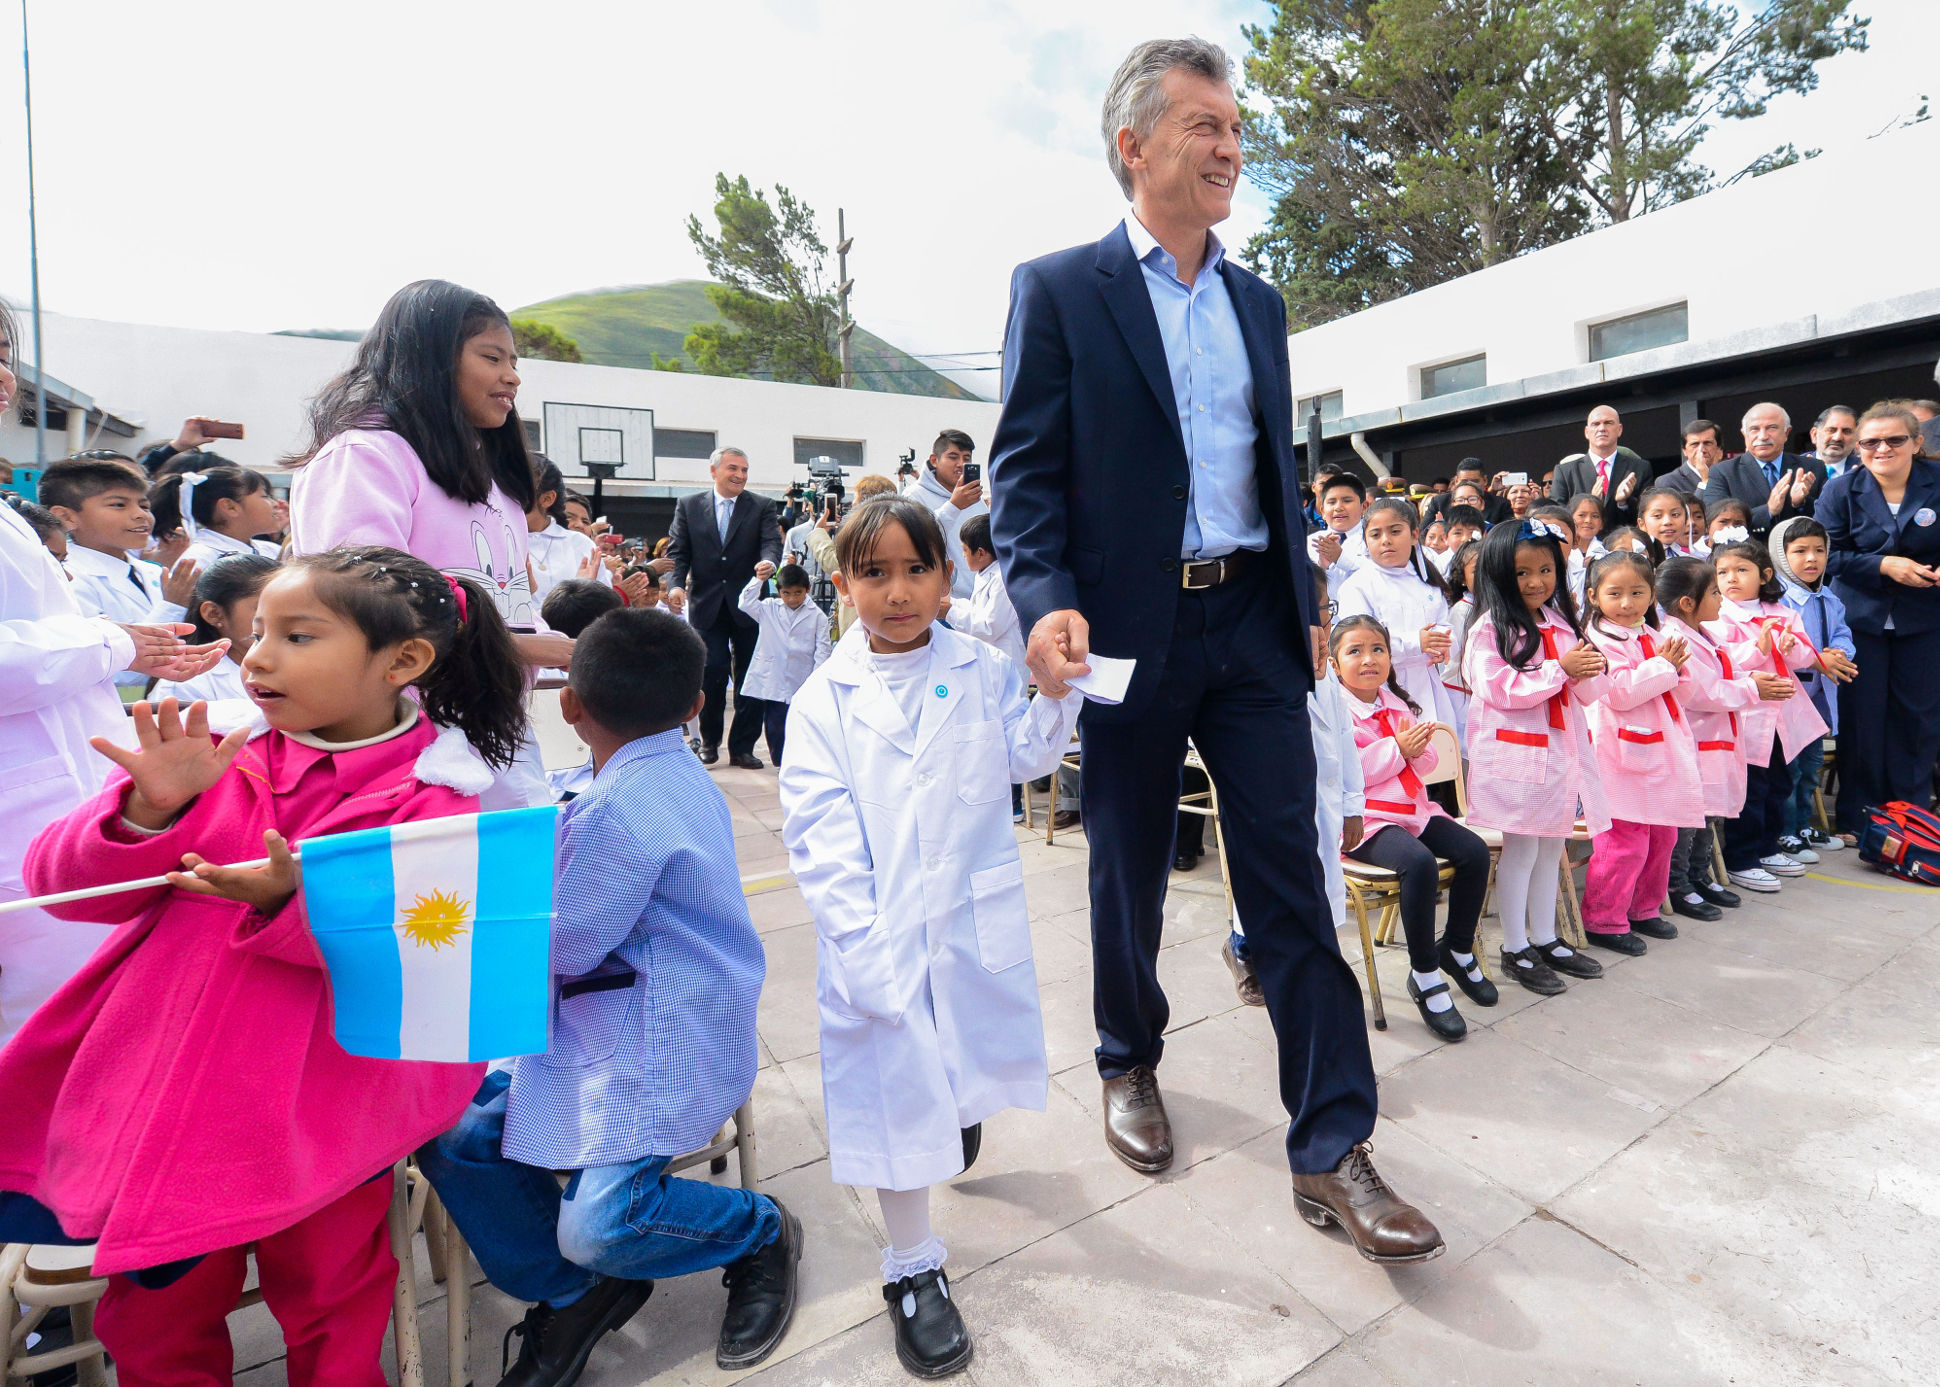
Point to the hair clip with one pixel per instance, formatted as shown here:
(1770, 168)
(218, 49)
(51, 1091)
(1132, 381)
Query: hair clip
(1731, 534)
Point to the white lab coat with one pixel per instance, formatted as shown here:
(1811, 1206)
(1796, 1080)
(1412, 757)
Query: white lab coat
(792, 645)
(1353, 554)
(102, 588)
(555, 554)
(901, 840)
(210, 545)
(56, 691)
(989, 617)
(1401, 601)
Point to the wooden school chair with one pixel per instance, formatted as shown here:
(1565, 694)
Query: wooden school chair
(35, 1279)
(1050, 815)
(1822, 819)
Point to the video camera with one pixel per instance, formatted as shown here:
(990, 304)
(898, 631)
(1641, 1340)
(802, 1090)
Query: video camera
(825, 490)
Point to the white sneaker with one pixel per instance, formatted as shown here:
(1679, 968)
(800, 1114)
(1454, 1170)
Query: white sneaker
(1781, 864)
(1794, 847)
(1824, 842)
(1755, 879)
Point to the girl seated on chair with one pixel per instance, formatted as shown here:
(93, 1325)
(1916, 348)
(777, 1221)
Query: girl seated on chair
(184, 1094)
(1395, 750)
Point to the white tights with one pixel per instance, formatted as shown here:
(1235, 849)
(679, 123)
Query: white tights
(1525, 890)
(912, 1246)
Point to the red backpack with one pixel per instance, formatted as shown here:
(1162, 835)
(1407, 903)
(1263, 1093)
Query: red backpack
(1904, 840)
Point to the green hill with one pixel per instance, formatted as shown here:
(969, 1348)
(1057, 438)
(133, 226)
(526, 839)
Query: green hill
(625, 326)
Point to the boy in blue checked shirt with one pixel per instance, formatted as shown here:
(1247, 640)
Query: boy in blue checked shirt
(658, 969)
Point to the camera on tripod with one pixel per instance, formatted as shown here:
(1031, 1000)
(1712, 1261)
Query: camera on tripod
(825, 486)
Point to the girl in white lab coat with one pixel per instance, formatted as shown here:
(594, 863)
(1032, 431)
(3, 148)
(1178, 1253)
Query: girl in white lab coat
(1399, 590)
(895, 800)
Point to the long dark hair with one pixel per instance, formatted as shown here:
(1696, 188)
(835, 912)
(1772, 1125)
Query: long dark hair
(1455, 580)
(221, 481)
(546, 476)
(1681, 576)
(1363, 622)
(1611, 562)
(1403, 507)
(476, 683)
(224, 583)
(1517, 636)
(405, 378)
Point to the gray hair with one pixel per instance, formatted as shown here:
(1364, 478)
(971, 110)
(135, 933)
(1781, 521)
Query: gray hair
(1136, 98)
(714, 458)
(1767, 404)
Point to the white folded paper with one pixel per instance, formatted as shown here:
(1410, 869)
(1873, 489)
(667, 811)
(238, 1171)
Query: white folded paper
(1107, 681)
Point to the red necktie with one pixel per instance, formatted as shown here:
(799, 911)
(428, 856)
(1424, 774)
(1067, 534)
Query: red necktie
(1409, 780)
(1650, 652)
(1556, 699)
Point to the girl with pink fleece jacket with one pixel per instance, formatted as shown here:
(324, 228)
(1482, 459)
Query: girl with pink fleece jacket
(183, 1095)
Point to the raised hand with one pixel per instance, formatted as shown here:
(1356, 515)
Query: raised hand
(1435, 643)
(1583, 661)
(1676, 651)
(763, 569)
(174, 762)
(178, 583)
(266, 889)
(1413, 740)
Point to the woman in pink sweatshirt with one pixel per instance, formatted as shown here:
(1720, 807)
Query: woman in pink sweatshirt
(183, 1095)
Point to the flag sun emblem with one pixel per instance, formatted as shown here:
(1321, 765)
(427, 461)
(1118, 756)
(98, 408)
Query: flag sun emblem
(437, 919)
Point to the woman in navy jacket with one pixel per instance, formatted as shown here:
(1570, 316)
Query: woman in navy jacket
(1883, 521)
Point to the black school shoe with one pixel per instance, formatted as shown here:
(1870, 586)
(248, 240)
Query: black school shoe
(1625, 943)
(1480, 990)
(1656, 927)
(555, 1343)
(1564, 959)
(1721, 895)
(1449, 1024)
(761, 1297)
(1532, 970)
(972, 1144)
(930, 1338)
(1692, 905)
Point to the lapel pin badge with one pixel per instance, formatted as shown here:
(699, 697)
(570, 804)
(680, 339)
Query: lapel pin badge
(942, 690)
(1923, 516)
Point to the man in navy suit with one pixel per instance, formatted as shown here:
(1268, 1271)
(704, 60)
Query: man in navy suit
(1145, 504)
(1773, 483)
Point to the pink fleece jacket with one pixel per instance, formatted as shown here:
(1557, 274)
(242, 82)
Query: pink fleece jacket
(183, 1092)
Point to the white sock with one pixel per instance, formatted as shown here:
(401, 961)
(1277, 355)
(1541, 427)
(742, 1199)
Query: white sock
(1466, 962)
(912, 1246)
(1544, 887)
(1512, 889)
(1441, 1001)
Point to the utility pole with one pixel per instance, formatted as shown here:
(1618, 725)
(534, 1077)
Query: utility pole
(843, 240)
(33, 253)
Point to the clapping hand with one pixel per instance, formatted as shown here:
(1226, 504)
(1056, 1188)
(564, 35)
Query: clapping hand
(159, 651)
(1327, 546)
(174, 762)
(1772, 688)
(265, 889)
(1413, 739)
(1676, 651)
(1581, 661)
(1838, 666)
(178, 583)
(1629, 485)
(1435, 641)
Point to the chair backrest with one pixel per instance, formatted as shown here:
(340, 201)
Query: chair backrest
(1448, 764)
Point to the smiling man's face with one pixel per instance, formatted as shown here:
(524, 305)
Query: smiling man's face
(1189, 165)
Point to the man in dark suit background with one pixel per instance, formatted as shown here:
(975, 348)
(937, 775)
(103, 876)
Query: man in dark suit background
(1612, 474)
(718, 536)
(1145, 503)
(1771, 482)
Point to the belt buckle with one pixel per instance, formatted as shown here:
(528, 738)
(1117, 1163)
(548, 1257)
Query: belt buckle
(1185, 574)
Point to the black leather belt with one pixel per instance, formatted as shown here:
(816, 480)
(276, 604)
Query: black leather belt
(1196, 575)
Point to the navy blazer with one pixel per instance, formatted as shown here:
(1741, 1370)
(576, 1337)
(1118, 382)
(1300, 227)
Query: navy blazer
(1861, 531)
(1742, 476)
(1088, 471)
(714, 573)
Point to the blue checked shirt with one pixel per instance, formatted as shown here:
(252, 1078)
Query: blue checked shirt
(1212, 387)
(657, 971)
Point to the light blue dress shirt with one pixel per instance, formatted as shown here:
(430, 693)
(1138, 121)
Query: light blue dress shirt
(1212, 385)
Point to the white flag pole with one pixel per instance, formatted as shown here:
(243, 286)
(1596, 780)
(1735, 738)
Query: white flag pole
(63, 897)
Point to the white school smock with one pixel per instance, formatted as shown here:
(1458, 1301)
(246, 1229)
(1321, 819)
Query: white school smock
(121, 589)
(210, 545)
(1402, 602)
(56, 691)
(792, 644)
(1340, 784)
(901, 840)
(555, 554)
(989, 617)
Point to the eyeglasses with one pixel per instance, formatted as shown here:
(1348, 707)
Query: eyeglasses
(1330, 610)
(1890, 443)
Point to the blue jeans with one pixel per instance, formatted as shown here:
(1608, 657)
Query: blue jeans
(633, 1220)
(1805, 779)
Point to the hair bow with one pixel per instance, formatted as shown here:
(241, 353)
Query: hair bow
(1539, 530)
(190, 481)
(1731, 534)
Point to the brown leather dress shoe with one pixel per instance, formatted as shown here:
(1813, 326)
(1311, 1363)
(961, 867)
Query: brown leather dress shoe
(1136, 1127)
(1245, 981)
(1064, 818)
(1353, 1194)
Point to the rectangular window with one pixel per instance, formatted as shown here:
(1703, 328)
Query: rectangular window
(848, 452)
(684, 443)
(1470, 373)
(1639, 332)
(531, 427)
(1330, 408)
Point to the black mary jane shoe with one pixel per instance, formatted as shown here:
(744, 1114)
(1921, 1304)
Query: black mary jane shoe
(1532, 970)
(1480, 991)
(930, 1338)
(1656, 927)
(1693, 906)
(1564, 959)
(1626, 943)
(1721, 895)
(1449, 1024)
(972, 1144)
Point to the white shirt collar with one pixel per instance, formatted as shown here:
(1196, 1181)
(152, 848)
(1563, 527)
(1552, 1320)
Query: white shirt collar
(82, 559)
(1144, 243)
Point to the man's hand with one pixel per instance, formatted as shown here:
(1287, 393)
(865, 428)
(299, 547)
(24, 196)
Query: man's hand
(1801, 486)
(544, 649)
(764, 569)
(191, 436)
(266, 890)
(1328, 546)
(661, 566)
(1057, 649)
(1629, 486)
(967, 495)
(1776, 501)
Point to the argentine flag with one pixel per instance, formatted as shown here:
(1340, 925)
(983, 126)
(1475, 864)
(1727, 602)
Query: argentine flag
(437, 934)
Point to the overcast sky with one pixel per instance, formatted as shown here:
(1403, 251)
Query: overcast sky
(262, 166)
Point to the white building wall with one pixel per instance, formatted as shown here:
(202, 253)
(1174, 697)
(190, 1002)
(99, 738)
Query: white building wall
(1815, 240)
(158, 376)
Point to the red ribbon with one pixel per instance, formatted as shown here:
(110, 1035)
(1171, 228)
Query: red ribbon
(458, 595)
(1410, 782)
(1557, 699)
(1650, 652)
(1724, 662)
